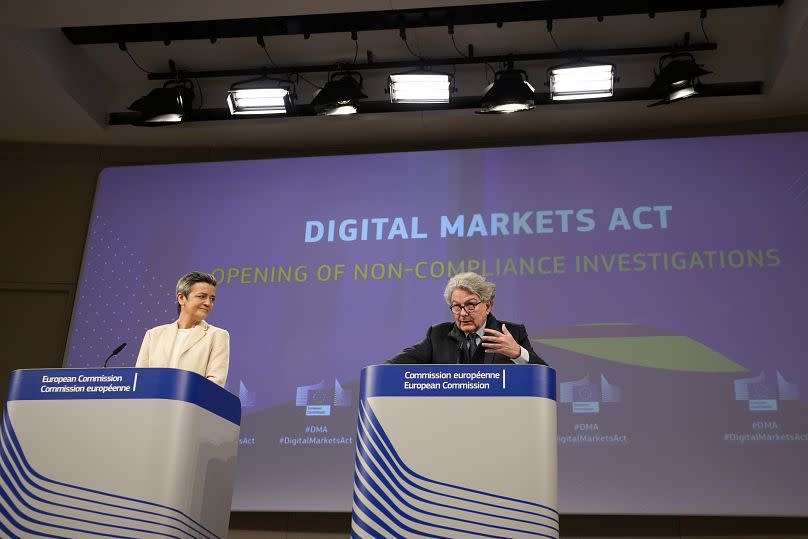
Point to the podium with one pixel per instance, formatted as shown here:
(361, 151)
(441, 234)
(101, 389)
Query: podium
(117, 453)
(455, 451)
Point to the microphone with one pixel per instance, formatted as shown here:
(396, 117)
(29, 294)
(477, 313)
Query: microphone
(114, 352)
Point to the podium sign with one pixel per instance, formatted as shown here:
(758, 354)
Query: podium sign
(456, 451)
(117, 453)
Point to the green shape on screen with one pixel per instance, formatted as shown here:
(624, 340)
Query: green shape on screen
(671, 352)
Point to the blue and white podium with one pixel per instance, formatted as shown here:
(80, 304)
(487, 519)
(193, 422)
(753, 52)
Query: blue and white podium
(456, 451)
(117, 453)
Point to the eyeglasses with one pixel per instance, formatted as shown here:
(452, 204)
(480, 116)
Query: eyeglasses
(469, 307)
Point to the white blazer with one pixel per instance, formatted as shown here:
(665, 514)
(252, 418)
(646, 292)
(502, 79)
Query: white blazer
(207, 350)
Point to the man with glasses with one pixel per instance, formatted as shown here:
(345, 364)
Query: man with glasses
(476, 336)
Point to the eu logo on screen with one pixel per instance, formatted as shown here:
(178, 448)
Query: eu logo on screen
(585, 396)
(318, 399)
(246, 396)
(762, 395)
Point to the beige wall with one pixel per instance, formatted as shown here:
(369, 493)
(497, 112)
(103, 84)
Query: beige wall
(44, 216)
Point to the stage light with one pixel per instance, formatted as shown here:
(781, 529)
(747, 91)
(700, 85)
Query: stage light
(677, 78)
(164, 106)
(420, 87)
(261, 95)
(510, 92)
(581, 80)
(339, 95)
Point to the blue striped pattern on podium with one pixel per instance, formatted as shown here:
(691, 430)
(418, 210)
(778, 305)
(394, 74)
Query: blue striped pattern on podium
(392, 501)
(32, 505)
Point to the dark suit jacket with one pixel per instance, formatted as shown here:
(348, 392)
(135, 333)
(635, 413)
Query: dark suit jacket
(443, 344)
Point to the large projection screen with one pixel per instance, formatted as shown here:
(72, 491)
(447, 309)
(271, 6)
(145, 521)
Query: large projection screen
(665, 280)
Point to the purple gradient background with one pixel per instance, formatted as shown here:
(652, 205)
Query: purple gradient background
(152, 224)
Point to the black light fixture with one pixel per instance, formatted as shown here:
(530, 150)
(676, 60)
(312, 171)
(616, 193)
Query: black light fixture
(339, 95)
(510, 92)
(165, 106)
(677, 78)
(261, 95)
(420, 86)
(581, 79)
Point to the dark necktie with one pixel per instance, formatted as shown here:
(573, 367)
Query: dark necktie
(469, 347)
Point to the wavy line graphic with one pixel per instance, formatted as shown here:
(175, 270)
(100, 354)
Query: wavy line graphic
(393, 501)
(32, 505)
